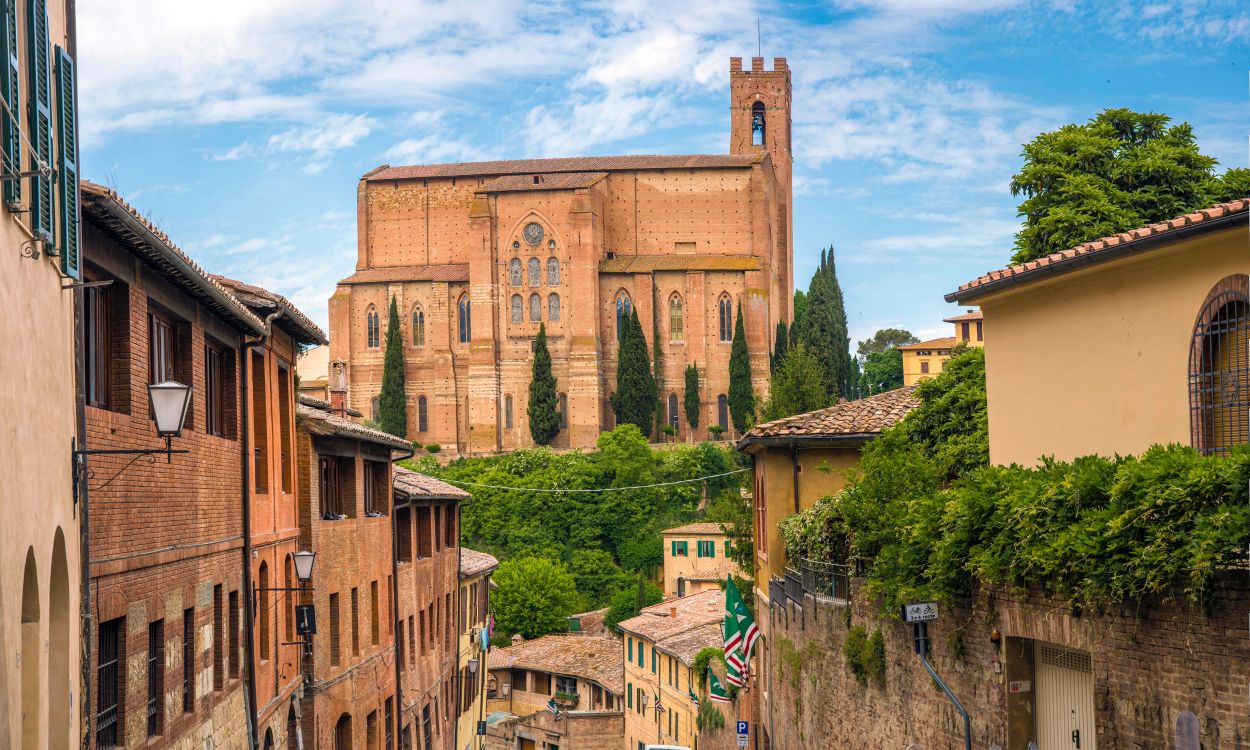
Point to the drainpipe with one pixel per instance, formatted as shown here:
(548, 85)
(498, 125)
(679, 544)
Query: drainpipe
(455, 599)
(87, 626)
(397, 718)
(249, 639)
(794, 469)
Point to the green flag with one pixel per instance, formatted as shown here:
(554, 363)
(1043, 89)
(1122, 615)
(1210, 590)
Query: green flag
(740, 632)
(718, 692)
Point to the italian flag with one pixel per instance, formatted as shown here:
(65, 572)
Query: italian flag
(717, 692)
(740, 632)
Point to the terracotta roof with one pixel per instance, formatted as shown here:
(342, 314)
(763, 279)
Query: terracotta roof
(443, 272)
(1135, 240)
(677, 262)
(591, 657)
(106, 209)
(322, 422)
(704, 527)
(572, 164)
(474, 563)
(416, 485)
(264, 302)
(719, 573)
(858, 419)
(970, 315)
(946, 342)
(518, 183)
(678, 635)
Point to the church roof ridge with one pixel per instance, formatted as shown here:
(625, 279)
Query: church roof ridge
(565, 164)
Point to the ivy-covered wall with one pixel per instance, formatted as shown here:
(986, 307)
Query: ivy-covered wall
(1151, 661)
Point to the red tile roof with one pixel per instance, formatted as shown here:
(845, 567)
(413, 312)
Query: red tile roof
(590, 657)
(946, 342)
(571, 164)
(519, 183)
(322, 422)
(448, 272)
(970, 315)
(474, 563)
(852, 419)
(704, 527)
(417, 485)
(262, 301)
(696, 625)
(1100, 249)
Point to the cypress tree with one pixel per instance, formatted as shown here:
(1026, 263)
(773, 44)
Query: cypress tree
(824, 326)
(544, 418)
(741, 394)
(800, 312)
(636, 394)
(779, 348)
(392, 402)
(691, 401)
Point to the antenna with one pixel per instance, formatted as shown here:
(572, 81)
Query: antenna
(759, 40)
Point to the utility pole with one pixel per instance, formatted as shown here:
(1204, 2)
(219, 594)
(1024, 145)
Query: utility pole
(919, 615)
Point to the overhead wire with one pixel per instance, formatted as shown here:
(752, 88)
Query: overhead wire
(592, 490)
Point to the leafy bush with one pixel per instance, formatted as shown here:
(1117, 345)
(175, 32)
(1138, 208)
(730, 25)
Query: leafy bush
(865, 655)
(716, 431)
(710, 718)
(628, 602)
(535, 596)
(433, 448)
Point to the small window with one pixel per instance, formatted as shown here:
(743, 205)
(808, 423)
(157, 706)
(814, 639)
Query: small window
(188, 660)
(564, 411)
(518, 309)
(334, 629)
(707, 549)
(553, 307)
(623, 308)
(924, 368)
(263, 610)
(98, 344)
(553, 272)
(377, 481)
(373, 335)
(514, 272)
(156, 677)
(507, 411)
(232, 659)
(680, 549)
(423, 421)
(672, 410)
(375, 407)
(162, 349)
(726, 318)
(110, 685)
(465, 319)
(214, 391)
(757, 124)
(534, 272)
(980, 331)
(418, 326)
(536, 308)
(676, 324)
(722, 411)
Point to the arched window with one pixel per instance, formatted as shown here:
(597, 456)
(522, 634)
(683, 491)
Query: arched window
(1219, 369)
(288, 612)
(725, 308)
(373, 334)
(564, 411)
(507, 411)
(623, 308)
(676, 325)
(518, 308)
(536, 308)
(553, 307)
(514, 272)
(263, 610)
(423, 422)
(722, 411)
(757, 124)
(374, 408)
(553, 272)
(672, 410)
(418, 326)
(534, 272)
(343, 733)
(466, 319)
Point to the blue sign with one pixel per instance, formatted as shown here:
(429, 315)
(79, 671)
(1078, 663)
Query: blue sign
(742, 727)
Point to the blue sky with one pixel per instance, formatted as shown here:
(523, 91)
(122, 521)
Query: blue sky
(242, 126)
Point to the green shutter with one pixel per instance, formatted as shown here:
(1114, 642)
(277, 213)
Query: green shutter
(711, 549)
(40, 117)
(654, 661)
(10, 134)
(629, 692)
(629, 642)
(67, 137)
(674, 548)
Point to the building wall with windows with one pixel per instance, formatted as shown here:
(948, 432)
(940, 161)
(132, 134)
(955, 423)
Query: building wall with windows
(1161, 353)
(40, 563)
(696, 558)
(478, 256)
(475, 570)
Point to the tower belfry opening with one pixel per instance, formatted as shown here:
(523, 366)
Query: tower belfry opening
(757, 124)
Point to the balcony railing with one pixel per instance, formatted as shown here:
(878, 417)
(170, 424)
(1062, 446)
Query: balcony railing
(825, 581)
(794, 586)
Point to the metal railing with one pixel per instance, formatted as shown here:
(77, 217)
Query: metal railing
(794, 586)
(825, 581)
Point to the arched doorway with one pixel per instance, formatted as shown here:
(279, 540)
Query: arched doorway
(343, 733)
(268, 739)
(30, 652)
(58, 647)
(292, 729)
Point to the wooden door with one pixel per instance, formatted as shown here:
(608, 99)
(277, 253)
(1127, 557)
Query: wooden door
(1065, 698)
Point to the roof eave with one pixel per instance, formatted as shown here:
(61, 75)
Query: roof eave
(830, 440)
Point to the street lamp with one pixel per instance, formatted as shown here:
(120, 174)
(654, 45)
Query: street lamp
(304, 565)
(170, 400)
(473, 666)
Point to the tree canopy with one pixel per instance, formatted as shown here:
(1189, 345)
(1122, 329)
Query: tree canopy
(636, 393)
(798, 386)
(544, 416)
(823, 329)
(741, 392)
(1120, 170)
(885, 338)
(781, 344)
(882, 371)
(392, 401)
(535, 596)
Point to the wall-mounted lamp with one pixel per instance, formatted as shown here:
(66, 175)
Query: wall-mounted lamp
(473, 666)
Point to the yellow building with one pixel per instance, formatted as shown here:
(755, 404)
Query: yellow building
(797, 461)
(313, 367)
(696, 558)
(475, 570)
(927, 358)
(660, 646)
(1122, 342)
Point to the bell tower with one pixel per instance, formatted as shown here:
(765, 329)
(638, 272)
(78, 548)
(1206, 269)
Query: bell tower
(759, 120)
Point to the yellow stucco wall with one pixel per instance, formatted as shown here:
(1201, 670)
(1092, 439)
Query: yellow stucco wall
(470, 648)
(1096, 360)
(691, 565)
(650, 727)
(913, 369)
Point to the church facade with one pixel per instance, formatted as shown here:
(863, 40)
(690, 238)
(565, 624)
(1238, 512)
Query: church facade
(478, 255)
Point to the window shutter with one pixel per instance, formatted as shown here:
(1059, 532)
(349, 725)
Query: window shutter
(67, 137)
(674, 543)
(40, 117)
(10, 134)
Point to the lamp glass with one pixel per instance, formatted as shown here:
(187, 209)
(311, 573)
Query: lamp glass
(304, 565)
(170, 400)
(472, 666)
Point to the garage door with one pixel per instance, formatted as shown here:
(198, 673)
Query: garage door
(1065, 698)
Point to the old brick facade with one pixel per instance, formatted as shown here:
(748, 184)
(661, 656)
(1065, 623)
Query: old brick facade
(477, 255)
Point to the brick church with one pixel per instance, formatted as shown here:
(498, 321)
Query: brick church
(477, 255)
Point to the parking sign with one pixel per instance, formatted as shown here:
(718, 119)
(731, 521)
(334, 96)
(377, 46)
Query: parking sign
(742, 727)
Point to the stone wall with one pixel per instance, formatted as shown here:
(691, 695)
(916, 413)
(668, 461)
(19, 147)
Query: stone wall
(1151, 661)
(577, 730)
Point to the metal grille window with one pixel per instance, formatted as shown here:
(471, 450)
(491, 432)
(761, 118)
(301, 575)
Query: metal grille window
(389, 719)
(188, 660)
(110, 686)
(553, 272)
(533, 272)
(517, 309)
(1219, 370)
(219, 641)
(234, 635)
(553, 307)
(156, 676)
(536, 308)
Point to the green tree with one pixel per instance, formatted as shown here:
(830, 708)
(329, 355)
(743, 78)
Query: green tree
(733, 510)
(883, 371)
(741, 394)
(883, 339)
(642, 552)
(392, 401)
(798, 386)
(628, 602)
(1120, 170)
(596, 575)
(691, 398)
(780, 346)
(544, 417)
(824, 326)
(636, 393)
(535, 596)
(800, 315)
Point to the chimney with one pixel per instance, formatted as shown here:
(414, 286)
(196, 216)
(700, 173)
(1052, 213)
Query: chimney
(672, 612)
(338, 402)
(517, 638)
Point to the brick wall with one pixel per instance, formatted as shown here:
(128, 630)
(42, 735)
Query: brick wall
(582, 730)
(1150, 662)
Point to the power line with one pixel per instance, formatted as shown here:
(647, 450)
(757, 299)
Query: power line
(602, 489)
